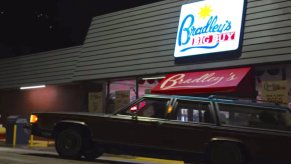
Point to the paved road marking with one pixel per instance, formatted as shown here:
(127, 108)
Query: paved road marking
(141, 160)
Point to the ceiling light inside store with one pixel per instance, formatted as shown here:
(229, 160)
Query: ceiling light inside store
(153, 78)
(33, 87)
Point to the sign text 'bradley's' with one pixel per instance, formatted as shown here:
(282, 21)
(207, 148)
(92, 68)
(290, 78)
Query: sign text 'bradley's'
(208, 27)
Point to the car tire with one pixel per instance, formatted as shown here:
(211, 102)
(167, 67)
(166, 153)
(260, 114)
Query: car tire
(68, 143)
(92, 154)
(226, 153)
(91, 151)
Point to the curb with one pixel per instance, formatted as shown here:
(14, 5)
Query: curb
(34, 144)
(39, 143)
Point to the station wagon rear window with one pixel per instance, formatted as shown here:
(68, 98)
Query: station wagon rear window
(257, 117)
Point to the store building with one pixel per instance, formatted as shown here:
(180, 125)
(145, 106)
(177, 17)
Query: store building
(127, 53)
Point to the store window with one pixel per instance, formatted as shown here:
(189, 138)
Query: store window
(146, 84)
(268, 76)
(121, 92)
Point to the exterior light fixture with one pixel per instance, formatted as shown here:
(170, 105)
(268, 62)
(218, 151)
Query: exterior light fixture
(32, 87)
(153, 78)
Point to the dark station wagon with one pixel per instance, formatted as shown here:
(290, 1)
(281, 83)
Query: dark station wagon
(212, 130)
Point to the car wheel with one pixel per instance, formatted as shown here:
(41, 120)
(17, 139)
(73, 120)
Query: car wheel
(68, 144)
(226, 153)
(92, 154)
(91, 151)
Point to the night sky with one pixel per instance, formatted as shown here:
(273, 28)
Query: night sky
(30, 26)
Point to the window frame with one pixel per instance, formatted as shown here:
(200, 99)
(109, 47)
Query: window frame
(211, 109)
(127, 108)
(259, 108)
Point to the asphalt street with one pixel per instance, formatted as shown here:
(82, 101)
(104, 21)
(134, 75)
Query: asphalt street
(25, 155)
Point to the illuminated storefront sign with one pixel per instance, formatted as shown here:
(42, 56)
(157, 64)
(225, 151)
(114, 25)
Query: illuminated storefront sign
(209, 26)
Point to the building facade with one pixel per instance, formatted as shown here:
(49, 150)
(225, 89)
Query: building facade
(124, 50)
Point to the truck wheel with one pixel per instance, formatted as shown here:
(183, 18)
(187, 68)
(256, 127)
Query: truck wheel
(68, 144)
(226, 153)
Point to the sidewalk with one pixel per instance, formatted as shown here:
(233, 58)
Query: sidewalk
(42, 146)
(35, 145)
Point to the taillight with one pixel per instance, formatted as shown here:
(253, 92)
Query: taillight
(33, 118)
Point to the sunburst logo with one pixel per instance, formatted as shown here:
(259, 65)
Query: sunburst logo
(205, 11)
(209, 27)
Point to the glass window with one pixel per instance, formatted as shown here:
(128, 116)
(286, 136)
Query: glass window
(145, 86)
(192, 111)
(155, 108)
(121, 92)
(257, 117)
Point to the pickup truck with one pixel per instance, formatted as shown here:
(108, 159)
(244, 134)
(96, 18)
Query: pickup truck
(210, 129)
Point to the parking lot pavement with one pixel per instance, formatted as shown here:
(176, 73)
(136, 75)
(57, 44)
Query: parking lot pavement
(40, 152)
(36, 145)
